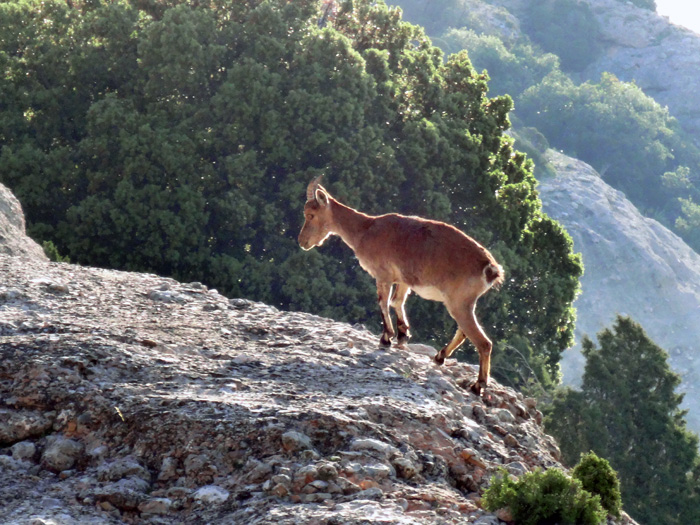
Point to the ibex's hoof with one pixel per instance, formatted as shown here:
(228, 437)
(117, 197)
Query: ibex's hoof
(477, 388)
(385, 341)
(403, 340)
(439, 358)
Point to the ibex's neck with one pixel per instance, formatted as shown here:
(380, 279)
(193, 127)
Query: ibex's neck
(350, 224)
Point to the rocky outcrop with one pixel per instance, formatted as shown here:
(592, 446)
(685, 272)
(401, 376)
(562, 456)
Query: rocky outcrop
(633, 266)
(13, 237)
(131, 398)
(639, 46)
(661, 58)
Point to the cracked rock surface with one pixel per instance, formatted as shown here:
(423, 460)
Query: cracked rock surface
(132, 398)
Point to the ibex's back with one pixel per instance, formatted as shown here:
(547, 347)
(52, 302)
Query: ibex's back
(436, 260)
(422, 253)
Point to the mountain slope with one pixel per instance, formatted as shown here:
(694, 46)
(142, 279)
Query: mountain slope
(660, 57)
(633, 266)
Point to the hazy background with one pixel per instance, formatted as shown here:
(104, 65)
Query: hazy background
(681, 12)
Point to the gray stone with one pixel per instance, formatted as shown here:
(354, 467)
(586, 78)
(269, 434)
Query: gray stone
(504, 415)
(257, 471)
(13, 238)
(327, 471)
(293, 441)
(211, 494)
(373, 493)
(61, 454)
(375, 445)
(24, 450)
(405, 468)
(378, 471)
(19, 425)
(517, 468)
(123, 468)
(10, 463)
(156, 506)
(125, 494)
(168, 469)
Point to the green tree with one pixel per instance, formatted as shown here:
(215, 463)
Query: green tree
(178, 137)
(511, 68)
(568, 29)
(688, 224)
(628, 412)
(580, 119)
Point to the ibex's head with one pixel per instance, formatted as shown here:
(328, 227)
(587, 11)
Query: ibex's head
(317, 215)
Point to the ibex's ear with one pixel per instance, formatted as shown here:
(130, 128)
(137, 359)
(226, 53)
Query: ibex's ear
(321, 197)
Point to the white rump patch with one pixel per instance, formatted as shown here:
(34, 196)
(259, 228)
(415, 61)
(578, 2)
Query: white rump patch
(429, 292)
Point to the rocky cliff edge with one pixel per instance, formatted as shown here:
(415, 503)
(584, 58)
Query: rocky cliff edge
(13, 237)
(134, 398)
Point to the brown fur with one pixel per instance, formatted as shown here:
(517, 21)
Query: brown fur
(436, 260)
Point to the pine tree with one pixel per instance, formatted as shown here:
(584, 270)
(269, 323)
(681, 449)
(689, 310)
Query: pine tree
(629, 413)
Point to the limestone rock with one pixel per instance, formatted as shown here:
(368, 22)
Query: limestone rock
(293, 440)
(13, 236)
(61, 454)
(239, 413)
(24, 450)
(211, 494)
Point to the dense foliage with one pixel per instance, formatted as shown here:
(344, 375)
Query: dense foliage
(598, 477)
(512, 68)
(566, 28)
(543, 497)
(628, 412)
(178, 137)
(580, 119)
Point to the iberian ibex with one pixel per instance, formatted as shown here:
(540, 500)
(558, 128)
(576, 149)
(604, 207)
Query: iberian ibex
(434, 259)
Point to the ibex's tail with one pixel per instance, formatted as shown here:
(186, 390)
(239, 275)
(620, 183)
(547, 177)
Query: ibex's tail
(494, 274)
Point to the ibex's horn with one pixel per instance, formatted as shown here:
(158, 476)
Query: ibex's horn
(312, 187)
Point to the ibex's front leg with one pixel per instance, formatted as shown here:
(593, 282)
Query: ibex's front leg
(398, 300)
(383, 294)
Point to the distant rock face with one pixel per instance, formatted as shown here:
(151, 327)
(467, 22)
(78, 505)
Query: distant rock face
(633, 266)
(13, 237)
(641, 46)
(131, 398)
(661, 58)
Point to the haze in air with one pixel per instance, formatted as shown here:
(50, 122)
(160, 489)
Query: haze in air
(680, 12)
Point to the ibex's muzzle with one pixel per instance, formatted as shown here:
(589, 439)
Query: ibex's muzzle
(304, 243)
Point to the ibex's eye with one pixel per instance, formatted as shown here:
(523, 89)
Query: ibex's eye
(309, 216)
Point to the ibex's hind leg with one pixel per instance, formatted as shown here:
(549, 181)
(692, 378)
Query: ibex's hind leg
(383, 295)
(469, 327)
(398, 300)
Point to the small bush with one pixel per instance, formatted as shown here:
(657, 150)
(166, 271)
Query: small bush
(544, 497)
(52, 252)
(598, 477)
